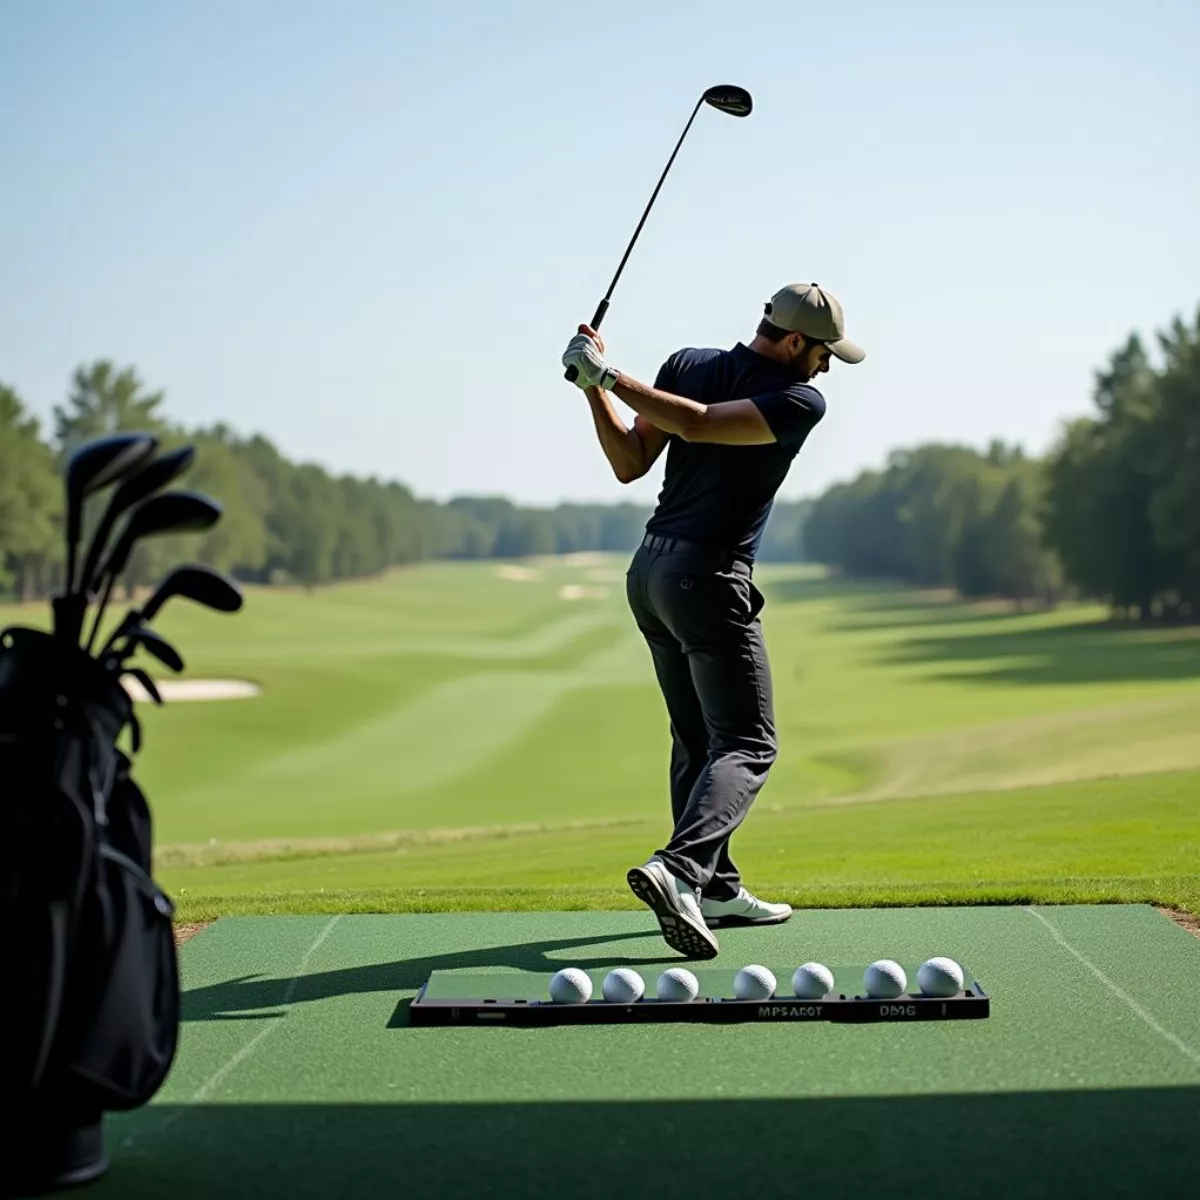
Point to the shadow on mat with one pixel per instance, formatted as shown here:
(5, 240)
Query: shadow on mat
(1113, 1143)
(255, 996)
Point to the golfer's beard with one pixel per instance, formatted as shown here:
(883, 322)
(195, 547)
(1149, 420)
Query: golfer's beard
(799, 372)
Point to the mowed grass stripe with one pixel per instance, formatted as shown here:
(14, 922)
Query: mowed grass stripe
(1121, 839)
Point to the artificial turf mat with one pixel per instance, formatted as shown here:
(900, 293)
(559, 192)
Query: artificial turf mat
(298, 1074)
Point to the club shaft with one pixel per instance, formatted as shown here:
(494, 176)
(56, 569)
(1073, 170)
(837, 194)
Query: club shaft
(602, 308)
(108, 587)
(654, 196)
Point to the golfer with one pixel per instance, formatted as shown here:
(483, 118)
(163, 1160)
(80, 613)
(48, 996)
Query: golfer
(731, 421)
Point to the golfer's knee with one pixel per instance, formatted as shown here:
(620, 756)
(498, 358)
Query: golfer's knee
(758, 746)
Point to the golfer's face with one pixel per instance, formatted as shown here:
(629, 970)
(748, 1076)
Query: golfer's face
(811, 360)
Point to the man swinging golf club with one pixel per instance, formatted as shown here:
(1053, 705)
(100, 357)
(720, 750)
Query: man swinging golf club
(732, 421)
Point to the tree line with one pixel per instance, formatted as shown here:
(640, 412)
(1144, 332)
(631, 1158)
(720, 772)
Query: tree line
(1112, 512)
(284, 522)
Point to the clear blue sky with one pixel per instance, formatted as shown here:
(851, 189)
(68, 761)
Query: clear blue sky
(367, 229)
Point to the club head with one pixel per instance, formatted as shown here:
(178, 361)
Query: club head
(92, 466)
(200, 584)
(148, 478)
(155, 645)
(147, 683)
(730, 98)
(168, 512)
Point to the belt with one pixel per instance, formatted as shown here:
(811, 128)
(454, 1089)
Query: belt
(665, 545)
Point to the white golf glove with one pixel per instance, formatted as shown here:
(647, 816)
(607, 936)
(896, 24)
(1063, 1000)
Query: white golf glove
(584, 355)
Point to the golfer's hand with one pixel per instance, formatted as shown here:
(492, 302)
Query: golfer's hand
(585, 352)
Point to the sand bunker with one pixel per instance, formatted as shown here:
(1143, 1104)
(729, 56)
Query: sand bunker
(193, 689)
(517, 574)
(576, 591)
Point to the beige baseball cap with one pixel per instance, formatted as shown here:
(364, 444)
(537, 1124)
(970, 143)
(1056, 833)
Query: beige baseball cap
(809, 309)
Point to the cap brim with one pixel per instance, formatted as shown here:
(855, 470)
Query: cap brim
(847, 351)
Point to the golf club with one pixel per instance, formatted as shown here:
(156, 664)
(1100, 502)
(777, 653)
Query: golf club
(168, 512)
(143, 677)
(154, 644)
(92, 466)
(200, 584)
(726, 98)
(151, 476)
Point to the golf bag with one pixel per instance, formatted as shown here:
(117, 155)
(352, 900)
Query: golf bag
(90, 1008)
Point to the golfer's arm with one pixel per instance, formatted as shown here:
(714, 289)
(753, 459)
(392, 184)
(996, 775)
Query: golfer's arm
(736, 423)
(630, 452)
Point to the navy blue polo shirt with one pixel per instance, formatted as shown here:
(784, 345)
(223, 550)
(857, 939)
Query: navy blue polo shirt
(722, 495)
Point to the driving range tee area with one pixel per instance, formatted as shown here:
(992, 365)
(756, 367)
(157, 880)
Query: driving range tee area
(302, 1074)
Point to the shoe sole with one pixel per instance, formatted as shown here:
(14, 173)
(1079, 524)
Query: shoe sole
(729, 922)
(681, 934)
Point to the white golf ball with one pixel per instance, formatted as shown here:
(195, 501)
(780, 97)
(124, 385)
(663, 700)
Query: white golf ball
(812, 981)
(754, 983)
(677, 984)
(940, 977)
(885, 980)
(623, 986)
(570, 986)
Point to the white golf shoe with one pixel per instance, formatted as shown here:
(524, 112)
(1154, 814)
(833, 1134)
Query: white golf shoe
(744, 909)
(677, 907)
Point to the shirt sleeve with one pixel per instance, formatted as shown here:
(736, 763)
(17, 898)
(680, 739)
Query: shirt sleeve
(792, 413)
(665, 379)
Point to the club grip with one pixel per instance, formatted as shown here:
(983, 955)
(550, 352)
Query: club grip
(570, 374)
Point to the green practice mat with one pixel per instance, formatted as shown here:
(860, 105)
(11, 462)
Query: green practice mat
(300, 1076)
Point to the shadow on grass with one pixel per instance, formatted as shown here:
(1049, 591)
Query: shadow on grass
(876, 604)
(1082, 651)
(257, 996)
(800, 591)
(1132, 1142)
(1085, 652)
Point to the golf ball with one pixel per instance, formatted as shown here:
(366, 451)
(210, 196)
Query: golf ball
(623, 986)
(940, 977)
(570, 986)
(677, 984)
(754, 983)
(812, 981)
(885, 980)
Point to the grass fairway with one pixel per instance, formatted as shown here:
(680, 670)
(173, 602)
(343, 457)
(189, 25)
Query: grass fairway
(490, 735)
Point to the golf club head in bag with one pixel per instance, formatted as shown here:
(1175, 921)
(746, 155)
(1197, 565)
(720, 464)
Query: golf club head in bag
(202, 585)
(166, 513)
(92, 466)
(150, 476)
(154, 644)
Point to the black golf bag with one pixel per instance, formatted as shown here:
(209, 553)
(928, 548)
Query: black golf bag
(89, 1015)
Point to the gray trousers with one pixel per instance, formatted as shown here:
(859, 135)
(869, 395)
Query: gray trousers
(698, 610)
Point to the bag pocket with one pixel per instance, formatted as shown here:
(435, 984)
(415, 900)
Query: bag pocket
(131, 1028)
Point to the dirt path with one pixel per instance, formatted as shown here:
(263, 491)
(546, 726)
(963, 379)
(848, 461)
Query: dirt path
(184, 933)
(1189, 922)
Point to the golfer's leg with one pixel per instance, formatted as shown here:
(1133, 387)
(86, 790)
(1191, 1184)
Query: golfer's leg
(732, 677)
(689, 734)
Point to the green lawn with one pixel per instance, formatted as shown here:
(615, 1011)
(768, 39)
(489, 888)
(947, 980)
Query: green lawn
(453, 736)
